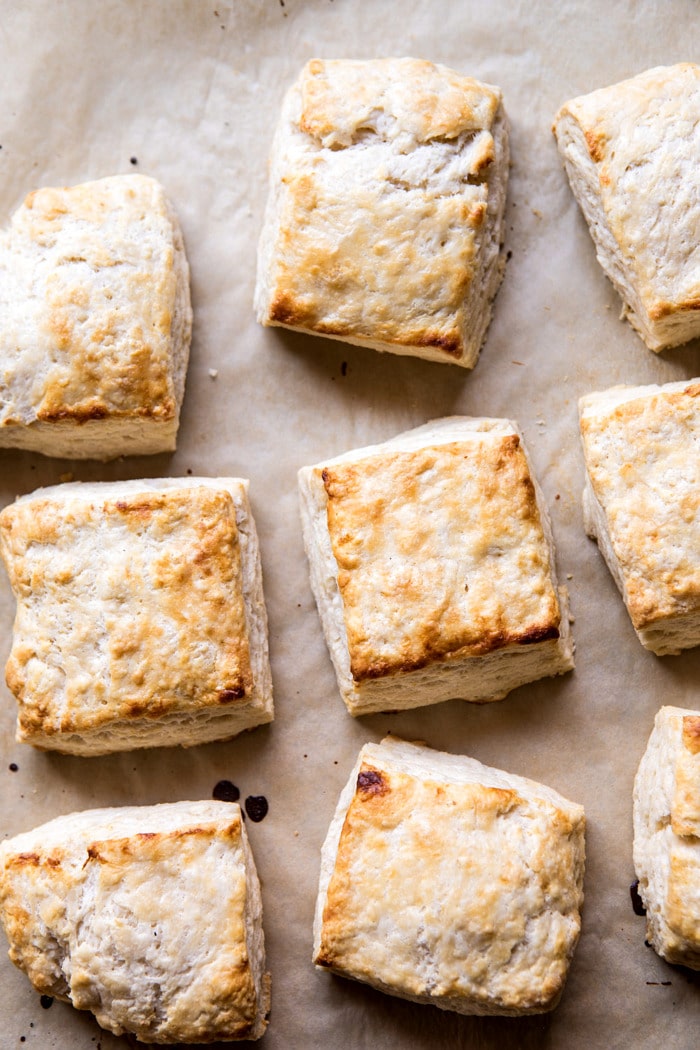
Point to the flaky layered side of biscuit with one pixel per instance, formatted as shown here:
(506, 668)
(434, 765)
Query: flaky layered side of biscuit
(667, 835)
(140, 614)
(95, 321)
(642, 504)
(150, 917)
(384, 224)
(632, 155)
(432, 565)
(448, 882)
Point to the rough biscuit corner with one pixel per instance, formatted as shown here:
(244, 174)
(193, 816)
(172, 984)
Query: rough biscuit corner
(633, 161)
(385, 219)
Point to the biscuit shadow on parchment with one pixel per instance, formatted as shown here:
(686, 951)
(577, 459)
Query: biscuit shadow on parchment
(116, 779)
(31, 471)
(422, 1026)
(368, 376)
(684, 360)
(528, 709)
(681, 670)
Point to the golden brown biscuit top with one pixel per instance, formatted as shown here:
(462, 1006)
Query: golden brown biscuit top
(644, 466)
(425, 100)
(441, 554)
(642, 135)
(89, 283)
(453, 890)
(159, 628)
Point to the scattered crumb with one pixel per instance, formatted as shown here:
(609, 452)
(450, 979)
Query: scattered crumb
(547, 307)
(537, 213)
(296, 834)
(65, 477)
(557, 496)
(213, 372)
(572, 619)
(569, 575)
(518, 363)
(134, 160)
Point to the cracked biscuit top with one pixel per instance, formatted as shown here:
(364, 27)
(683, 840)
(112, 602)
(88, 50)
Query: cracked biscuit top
(384, 219)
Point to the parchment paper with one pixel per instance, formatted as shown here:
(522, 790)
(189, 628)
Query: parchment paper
(191, 91)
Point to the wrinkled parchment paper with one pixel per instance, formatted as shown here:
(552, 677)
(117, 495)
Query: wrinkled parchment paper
(191, 91)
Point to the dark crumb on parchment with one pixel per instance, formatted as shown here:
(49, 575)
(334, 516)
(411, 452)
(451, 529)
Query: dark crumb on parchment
(509, 255)
(256, 807)
(46, 1001)
(133, 160)
(225, 791)
(13, 767)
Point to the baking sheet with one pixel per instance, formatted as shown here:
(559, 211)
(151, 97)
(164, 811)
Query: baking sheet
(191, 91)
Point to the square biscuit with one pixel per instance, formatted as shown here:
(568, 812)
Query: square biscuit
(140, 614)
(385, 219)
(432, 566)
(95, 321)
(641, 504)
(150, 917)
(667, 835)
(448, 882)
(632, 156)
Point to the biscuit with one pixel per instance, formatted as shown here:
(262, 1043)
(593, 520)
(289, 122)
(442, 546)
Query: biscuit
(641, 504)
(633, 159)
(140, 614)
(385, 219)
(447, 882)
(667, 835)
(96, 321)
(432, 566)
(150, 917)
